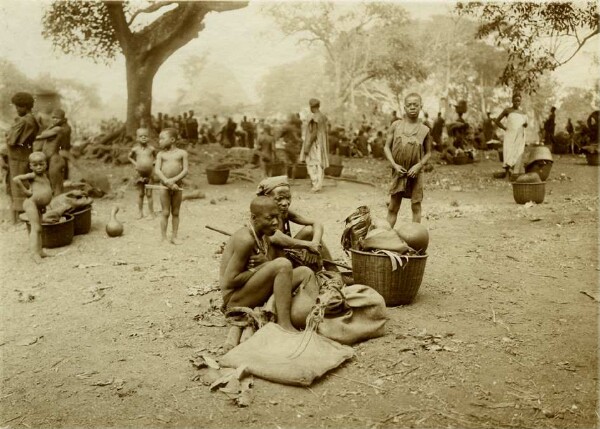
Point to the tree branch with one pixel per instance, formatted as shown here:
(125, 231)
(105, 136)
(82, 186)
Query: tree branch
(119, 23)
(152, 8)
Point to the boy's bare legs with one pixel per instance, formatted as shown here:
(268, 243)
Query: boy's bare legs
(140, 200)
(275, 277)
(35, 236)
(165, 201)
(150, 203)
(416, 212)
(393, 208)
(176, 198)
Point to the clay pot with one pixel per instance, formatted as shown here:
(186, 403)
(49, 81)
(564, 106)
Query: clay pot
(114, 228)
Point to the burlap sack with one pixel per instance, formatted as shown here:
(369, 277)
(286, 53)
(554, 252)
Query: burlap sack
(362, 316)
(285, 357)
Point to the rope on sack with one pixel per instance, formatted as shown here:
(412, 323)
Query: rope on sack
(395, 258)
(318, 311)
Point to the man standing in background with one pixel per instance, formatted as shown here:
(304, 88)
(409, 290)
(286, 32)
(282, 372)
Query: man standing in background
(315, 145)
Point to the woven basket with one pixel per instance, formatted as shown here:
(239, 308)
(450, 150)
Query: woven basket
(276, 169)
(217, 176)
(397, 287)
(82, 220)
(334, 170)
(592, 158)
(300, 171)
(56, 234)
(525, 192)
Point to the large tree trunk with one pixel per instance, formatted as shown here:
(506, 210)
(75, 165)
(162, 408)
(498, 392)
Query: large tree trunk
(140, 75)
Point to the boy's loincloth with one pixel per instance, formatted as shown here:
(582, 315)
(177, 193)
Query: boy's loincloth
(406, 187)
(146, 180)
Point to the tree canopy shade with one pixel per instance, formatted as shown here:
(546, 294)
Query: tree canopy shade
(538, 36)
(102, 30)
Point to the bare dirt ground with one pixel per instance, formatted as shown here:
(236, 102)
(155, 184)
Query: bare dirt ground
(500, 335)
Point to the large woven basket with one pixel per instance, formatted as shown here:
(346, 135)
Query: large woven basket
(397, 287)
(592, 158)
(525, 192)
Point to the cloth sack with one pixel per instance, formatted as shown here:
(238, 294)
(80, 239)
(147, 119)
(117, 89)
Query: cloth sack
(361, 315)
(357, 225)
(286, 357)
(382, 239)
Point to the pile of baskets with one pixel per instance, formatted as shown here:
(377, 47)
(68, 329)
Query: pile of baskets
(75, 222)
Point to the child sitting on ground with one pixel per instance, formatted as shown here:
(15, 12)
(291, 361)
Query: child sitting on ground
(171, 167)
(142, 157)
(39, 195)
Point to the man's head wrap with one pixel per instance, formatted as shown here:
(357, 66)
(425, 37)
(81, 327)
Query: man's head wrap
(22, 99)
(269, 184)
(313, 102)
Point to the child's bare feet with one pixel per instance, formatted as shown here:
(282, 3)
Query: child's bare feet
(45, 255)
(140, 215)
(175, 240)
(36, 258)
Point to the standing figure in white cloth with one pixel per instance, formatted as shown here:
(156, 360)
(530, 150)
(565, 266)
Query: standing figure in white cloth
(514, 136)
(315, 146)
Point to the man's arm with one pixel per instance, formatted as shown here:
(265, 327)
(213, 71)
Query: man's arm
(301, 220)
(387, 149)
(18, 180)
(499, 118)
(131, 158)
(184, 170)
(158, 167)
(236, 275)
(46, 134)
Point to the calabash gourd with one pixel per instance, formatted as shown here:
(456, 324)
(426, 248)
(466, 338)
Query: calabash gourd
(114, 228)
(415, 235)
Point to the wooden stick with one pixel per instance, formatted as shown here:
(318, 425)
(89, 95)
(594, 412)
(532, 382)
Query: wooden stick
(589, 295)
(162, 187)
(347, 179)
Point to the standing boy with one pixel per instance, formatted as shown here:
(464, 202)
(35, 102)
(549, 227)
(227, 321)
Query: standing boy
(171, 168)
(407, 148)
(39, 195)
(142, 156)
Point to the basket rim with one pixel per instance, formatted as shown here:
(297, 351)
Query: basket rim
(217, 169)
(86, 208)
(360, 252)
(521, 183)
(69, 218)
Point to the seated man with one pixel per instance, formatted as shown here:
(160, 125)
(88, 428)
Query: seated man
(250, 273)
(309, 237)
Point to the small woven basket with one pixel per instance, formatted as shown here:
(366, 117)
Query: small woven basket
(525, 192)
(56, 234)
(217, 176)
(397, 287)
(592, 158)
(82, 220)
(334, 170)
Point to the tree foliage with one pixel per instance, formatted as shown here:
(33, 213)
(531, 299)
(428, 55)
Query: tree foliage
(361, 43)
(538, 36)
(101, 30)
(81, 28)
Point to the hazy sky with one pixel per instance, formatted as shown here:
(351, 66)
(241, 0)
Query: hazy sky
(244, 41)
